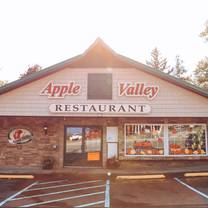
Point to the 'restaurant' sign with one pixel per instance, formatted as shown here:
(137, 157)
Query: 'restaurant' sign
(137, 89)
(100, 108)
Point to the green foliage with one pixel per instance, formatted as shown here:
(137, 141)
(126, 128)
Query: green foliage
(3, 82)
(204, 34)
(201, 73)
(160, 63)
(31, 70)
(178, 70)
(157, 61)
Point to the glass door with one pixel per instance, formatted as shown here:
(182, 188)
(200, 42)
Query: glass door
(83, 146)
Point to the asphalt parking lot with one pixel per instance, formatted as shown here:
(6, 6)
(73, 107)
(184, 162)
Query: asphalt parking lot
(159, 193)
(57, 193)
(170, 192)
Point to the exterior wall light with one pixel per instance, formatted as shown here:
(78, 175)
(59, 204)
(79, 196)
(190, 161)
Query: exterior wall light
(45, 129)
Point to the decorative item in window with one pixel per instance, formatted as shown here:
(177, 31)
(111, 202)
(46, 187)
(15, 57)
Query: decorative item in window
(187, 140)
(19, 136)
(144, 139)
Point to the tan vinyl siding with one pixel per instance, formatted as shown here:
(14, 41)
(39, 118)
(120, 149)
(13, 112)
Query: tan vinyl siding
(171, 100)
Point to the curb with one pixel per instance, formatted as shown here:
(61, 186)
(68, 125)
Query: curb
(140, 177)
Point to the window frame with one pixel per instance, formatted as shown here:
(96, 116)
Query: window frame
(166, 140)
(190, 155)
(125, 152)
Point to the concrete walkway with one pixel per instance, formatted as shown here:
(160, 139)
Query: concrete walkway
(126, 168)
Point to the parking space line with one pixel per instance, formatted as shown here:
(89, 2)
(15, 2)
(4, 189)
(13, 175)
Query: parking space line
(43, 183)
(107, 194)
(63, 199)
(190, 187)
(64, 185)
(58, 192)
(90, 204)
(18, 193)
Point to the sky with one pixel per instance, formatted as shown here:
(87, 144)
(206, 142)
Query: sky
(46, 32)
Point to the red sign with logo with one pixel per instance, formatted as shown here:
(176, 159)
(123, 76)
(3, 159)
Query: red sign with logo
(19, 136)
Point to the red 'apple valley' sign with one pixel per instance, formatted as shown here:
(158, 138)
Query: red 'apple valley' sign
(137, 89)
(61, 90)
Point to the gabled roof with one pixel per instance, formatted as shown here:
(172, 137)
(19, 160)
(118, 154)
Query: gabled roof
(96, 56)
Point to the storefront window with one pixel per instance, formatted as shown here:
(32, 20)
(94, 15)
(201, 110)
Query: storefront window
(74, 140)
(144, 139)
(92, 139)
(187, 139)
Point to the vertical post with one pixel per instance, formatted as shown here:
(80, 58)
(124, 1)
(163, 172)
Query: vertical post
(107, 191)
(166, 140)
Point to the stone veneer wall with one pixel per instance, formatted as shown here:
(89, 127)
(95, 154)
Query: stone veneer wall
(31, 154)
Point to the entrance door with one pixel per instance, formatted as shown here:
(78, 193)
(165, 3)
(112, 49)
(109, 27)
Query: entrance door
(83, 146)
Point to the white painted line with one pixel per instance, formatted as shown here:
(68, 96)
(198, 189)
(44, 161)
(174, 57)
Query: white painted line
(137, 177)
(107, 194)
(196, 174)
(64, 185)
(14, 195)
(58, 192)
(43, 183)
(63, 199)
(190, 187)
(90, 204)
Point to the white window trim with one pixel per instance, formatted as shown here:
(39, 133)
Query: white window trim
(166, 140)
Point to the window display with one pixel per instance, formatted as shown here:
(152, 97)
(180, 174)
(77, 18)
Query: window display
(180, 139)
(187, 139)
(144, 139)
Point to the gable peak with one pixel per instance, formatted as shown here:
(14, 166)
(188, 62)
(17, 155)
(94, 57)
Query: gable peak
(98, 45)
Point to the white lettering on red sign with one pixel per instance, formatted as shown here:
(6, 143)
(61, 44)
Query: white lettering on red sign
(60, 90)
(137, 89)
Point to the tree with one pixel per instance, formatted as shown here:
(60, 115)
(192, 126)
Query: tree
(201, 73)
(178, 70)
(204, 34)
(3, 82)
(157, 61)
(31, 70)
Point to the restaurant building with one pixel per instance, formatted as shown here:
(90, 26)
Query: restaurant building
(100, 105)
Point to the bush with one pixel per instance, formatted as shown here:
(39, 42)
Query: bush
(113, 163)
(48, 163)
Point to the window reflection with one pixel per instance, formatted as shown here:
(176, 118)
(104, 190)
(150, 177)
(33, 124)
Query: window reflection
(74, 140)
(92, 139)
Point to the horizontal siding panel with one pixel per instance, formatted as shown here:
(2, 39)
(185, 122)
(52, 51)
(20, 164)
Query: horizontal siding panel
(170, 101)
